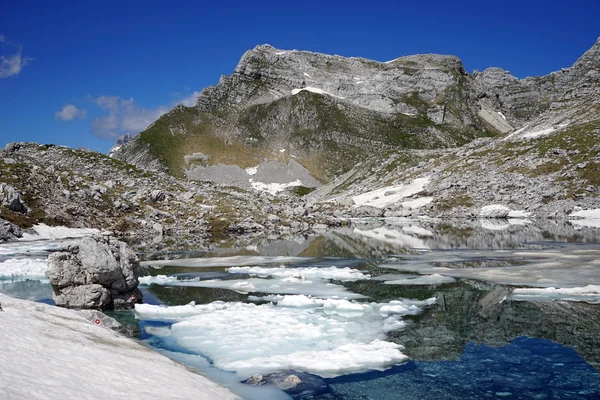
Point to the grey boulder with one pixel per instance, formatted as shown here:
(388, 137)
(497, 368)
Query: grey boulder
(98, 273)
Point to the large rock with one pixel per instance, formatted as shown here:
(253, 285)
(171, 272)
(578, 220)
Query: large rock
(98, 273)
(9, 231)
(11, 198)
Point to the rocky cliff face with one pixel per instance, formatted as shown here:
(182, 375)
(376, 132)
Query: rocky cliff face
(328, 112)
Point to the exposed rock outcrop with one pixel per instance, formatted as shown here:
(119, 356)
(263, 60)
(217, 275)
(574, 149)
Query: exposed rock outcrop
(11, 198)
(9, 231)
(98, 273)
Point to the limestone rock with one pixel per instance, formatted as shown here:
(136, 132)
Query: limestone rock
(9, 231)
(97, 273)
(11, 198)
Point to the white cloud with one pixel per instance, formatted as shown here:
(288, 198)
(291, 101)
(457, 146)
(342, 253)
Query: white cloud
(126, 116)
(190, 101)
(70, 112)
(14, 63)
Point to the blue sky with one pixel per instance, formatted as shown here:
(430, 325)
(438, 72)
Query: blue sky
(79, 73)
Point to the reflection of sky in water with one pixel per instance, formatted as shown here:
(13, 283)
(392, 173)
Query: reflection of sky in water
(525, 369)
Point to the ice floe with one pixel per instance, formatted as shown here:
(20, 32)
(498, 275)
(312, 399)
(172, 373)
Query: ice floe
(289, 285)
(48, 352)
(433, 279)
(383, 197)
(325, 337)
(25, 268)
(162, 280)
(340, 274)
(210, 262)
(588, 294)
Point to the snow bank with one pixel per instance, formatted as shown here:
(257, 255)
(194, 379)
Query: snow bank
(43, 231)
(588, 294)
(434, 279)
(324, 337)
(315, 90)
(53, 353)
(340, 274)
(273, 188)
(210, 262)
(500, 211)
(587, 218)
(388, 195)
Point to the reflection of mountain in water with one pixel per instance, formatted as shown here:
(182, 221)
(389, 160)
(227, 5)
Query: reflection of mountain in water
(473, 312)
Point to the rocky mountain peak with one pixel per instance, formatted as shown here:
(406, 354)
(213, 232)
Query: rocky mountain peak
(591, 58)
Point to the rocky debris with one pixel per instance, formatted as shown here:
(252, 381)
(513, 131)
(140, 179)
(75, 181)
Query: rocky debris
(297, 384)
(11, 198)
(9, 231)
(157, 195)
(98, 273)
(247, 225)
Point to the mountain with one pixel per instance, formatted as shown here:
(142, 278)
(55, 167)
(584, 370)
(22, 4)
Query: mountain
(120, 142)
(328, 113)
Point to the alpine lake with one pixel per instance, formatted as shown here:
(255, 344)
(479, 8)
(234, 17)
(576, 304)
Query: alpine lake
(395, 309)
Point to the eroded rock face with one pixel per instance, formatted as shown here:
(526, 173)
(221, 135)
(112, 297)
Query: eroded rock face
(9, 231)
(98, 273)
(11, 198)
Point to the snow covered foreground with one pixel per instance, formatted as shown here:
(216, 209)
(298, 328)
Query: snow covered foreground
(52, 353)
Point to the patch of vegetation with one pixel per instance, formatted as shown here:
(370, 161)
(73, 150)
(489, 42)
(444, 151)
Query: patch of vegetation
(302, 190)
(460, 200)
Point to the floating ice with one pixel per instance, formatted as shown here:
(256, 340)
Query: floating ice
(325, 337)
(340, 274)
(289, 285)
(391, 194)
(26, 268)
(589, 294)
(434, 279)
(210, 262)
(162, 280)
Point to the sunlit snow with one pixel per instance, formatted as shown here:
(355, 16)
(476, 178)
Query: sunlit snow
(391, 194)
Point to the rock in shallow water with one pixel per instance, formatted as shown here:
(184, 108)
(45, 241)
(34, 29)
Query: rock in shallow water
(97, 273)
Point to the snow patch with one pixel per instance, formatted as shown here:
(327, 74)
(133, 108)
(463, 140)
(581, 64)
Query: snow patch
(252, 170)
(388, 195)
(315, 90)
(586, 218)
(43, 231)
(392, 236)
(273, 188)
(307, 75)
(502, 115)
(162, 280)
